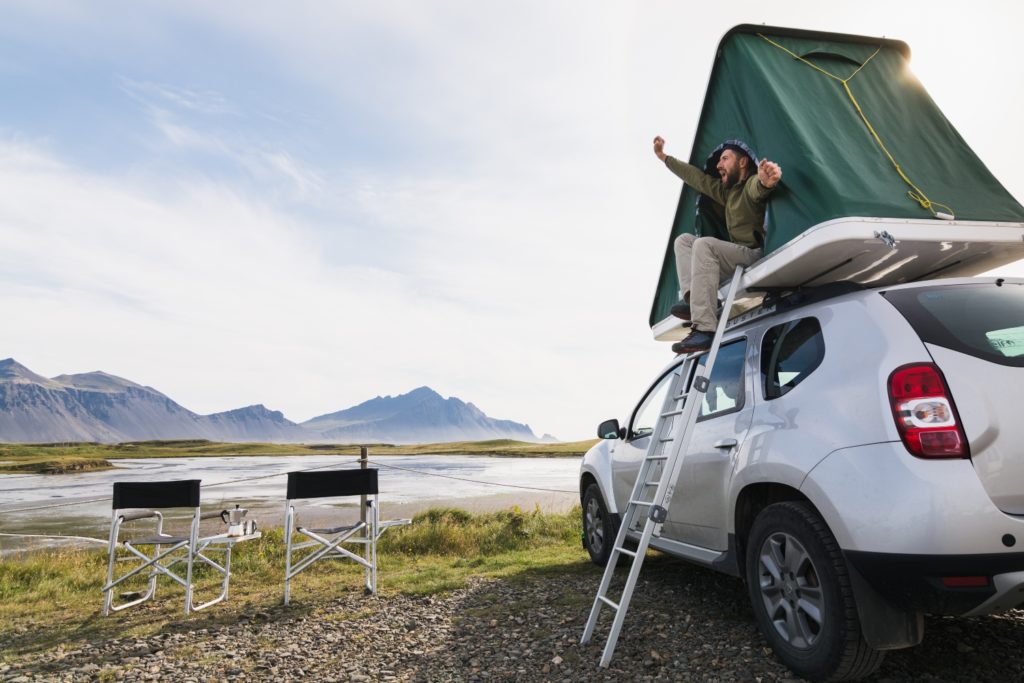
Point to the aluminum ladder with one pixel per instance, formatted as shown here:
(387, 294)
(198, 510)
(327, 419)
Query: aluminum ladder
(659, 470)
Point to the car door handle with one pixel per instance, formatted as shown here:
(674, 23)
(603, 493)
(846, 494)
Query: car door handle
(725, 443)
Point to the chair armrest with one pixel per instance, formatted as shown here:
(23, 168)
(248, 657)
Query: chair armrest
(141, 514)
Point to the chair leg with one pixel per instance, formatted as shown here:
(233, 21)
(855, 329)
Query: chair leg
(227, 569)
(108, 591)
(373, 532)
(192, 540)
(289, 513)
(148, 560)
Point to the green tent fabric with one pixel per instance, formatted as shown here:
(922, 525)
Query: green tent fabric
(787, 111)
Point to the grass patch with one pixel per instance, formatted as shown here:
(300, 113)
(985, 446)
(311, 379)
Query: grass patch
(78, 457)
(53, 597)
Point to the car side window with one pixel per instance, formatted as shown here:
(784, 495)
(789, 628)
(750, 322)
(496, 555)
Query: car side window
(646, 414)
(789, 354)
(725, 391)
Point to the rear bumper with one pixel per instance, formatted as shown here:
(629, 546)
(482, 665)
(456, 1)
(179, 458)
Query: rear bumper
(915, 582)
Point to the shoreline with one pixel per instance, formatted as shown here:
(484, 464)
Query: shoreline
(270, 515)
(76, 458)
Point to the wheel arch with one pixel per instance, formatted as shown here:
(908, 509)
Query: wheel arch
(749, 502)
(586, 479)
(596, 469)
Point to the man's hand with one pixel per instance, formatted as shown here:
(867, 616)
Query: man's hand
(768, 172)
(659, 147)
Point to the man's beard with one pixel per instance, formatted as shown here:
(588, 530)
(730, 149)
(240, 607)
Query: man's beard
(731, 178)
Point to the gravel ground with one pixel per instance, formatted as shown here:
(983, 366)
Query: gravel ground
(685, 623)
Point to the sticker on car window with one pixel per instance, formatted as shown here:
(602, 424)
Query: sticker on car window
(1008, 342)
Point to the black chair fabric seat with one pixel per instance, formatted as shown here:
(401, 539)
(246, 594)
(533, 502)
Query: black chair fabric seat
(332, 530)
(157, 540)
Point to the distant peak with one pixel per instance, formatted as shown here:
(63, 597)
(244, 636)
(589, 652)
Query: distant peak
(97, 381)
(13, 371)
(256, 411)
(423, 391)
(12, 365)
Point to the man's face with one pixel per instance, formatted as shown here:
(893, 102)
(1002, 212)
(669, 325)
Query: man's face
(729, 168)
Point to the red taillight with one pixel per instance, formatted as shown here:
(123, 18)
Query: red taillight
(924, 412)
(965, 581)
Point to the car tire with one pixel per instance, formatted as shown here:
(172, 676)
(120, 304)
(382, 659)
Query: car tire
(802, 597)
(598, 526)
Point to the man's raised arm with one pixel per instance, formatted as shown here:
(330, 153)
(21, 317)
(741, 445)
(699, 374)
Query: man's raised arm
(769, 174)
(691, 175)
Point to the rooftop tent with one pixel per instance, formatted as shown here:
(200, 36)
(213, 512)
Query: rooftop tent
(781, 92)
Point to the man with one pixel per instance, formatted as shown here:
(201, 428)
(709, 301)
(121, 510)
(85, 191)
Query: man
(702, 262)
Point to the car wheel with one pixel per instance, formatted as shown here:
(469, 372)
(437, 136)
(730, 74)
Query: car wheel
(598, 527)
(802, 598)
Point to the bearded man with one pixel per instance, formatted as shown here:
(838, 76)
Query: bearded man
(702, 262)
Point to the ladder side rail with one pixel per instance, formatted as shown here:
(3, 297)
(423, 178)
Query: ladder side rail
(627, 593)
(689, 413)
(704, 375)
(657, 513)
(671, 396)
(664, 429)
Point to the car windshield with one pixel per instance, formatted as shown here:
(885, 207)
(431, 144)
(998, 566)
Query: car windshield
(982, 320)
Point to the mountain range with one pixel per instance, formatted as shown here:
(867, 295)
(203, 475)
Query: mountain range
(100, 407)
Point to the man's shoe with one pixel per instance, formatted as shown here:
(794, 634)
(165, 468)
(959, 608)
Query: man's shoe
(699, 340)
(681, 310)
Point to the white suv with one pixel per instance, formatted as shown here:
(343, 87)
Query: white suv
(858, 461)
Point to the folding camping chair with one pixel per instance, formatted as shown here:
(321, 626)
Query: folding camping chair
(167, 550)
(331, 484)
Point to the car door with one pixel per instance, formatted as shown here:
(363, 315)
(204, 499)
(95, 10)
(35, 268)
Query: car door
(627, 454)
(697, 513)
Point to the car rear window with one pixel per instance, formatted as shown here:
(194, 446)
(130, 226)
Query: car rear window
(982, 320)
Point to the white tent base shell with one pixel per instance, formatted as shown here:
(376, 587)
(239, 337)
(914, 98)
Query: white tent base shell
(873, 252)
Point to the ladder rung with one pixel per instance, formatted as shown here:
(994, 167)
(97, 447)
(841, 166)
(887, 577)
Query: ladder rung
(657, 457)
(667, 440)
(648, 503)
(672, 412)
(613, 605)
(626, 551)
(651, 483)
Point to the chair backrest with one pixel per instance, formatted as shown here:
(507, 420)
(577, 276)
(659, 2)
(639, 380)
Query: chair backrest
(156, 494)
(332, 483)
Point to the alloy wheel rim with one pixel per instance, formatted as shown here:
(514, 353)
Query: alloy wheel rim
(791, 591)
(595, 526)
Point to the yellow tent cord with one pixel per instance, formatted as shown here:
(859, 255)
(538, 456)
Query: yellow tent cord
(916, 193)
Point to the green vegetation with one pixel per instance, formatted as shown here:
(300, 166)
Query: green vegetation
(77, 457)
(52, 597)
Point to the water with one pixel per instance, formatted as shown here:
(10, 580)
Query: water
(417, 482)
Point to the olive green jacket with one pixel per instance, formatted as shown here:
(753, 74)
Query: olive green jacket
(744, 202)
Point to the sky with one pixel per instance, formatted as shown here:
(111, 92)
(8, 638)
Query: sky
(310, 204)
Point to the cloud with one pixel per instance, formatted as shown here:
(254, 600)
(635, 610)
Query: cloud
(204, 101)
(204, 122)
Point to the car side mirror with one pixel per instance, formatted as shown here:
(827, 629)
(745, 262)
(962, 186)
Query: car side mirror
(610, 429)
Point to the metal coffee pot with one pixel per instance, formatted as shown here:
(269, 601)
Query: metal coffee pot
(235, 519)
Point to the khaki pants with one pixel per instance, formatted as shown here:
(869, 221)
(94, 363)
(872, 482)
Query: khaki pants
(701, 263)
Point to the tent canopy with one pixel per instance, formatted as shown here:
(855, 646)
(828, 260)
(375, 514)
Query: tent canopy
(781, 92)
